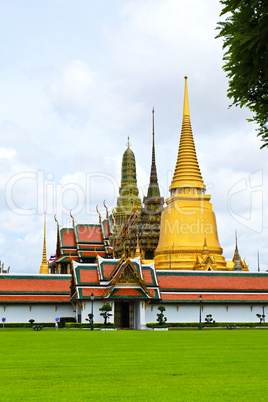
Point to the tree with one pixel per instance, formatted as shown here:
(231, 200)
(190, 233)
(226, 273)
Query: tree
(260, 317)
(90, 318)
(160, 317)
(105, 312)
(209, 319)
(245, 34)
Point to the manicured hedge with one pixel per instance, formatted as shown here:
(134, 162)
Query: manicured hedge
(87, 325)
(206, 325)
(63, 321)
(28, 325)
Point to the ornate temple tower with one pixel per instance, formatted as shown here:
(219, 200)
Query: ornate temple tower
(128, 202)
(149, 220)
(188, 232)
(128, 192)
(44, 265)
(153, 203)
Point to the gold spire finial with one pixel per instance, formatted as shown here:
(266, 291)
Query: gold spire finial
(128, 143)
(138, 251)
(187, 173)
(44, 265)
(186, 110)
(153, 120)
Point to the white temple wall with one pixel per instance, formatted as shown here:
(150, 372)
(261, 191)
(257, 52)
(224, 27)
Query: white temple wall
(22, 313)
(220, 312)
(97, 304)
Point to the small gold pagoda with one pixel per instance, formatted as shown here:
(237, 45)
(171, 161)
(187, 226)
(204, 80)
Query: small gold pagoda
(188, 232)
(44, 264)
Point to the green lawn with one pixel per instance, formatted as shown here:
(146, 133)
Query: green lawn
(77, 365)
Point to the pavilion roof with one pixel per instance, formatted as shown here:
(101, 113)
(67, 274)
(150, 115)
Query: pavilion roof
(34, 288)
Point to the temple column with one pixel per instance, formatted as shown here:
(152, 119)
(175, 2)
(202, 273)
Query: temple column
(142, 323)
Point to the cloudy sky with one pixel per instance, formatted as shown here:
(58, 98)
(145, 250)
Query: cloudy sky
(77, 77)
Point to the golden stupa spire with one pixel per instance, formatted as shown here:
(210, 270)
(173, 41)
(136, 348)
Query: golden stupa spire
(187, 173)
(44, 265)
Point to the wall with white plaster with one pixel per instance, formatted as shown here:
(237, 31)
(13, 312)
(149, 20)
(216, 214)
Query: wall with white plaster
(22, 313)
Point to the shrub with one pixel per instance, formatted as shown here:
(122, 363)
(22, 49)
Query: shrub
(209, 319)
(160, 316)
(105, 312)
(63, 320)
(260, 317)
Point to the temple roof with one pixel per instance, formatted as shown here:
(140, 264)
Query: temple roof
(83, 241)
(187, 172)
(213, 286)
(35, 288)
(113, 278)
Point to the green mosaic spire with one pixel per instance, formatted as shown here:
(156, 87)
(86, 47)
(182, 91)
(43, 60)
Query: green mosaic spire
(128, 192)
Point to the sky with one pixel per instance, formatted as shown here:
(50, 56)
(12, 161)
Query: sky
(77, 77)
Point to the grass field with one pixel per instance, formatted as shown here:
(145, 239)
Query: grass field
(79, 365)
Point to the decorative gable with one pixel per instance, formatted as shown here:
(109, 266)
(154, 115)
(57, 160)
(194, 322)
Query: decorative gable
(128, 277)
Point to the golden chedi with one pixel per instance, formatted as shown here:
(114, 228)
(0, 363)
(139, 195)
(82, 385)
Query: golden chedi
(44, 264)
(188, 232)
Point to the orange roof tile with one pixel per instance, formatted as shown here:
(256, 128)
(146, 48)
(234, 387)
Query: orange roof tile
(107, 269)
(88, 276)
(147, 276)
(89, 233)
(213, 282)
(34, 298)
(96, 291)
(68, 238)
(215, 297)
(127, 292)
(24, 284)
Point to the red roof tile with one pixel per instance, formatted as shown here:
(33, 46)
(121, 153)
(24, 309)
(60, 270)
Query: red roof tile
(88, 291)
(89, 233)
(34, 298)
(215, 297)
(147, 276)
(127, 292)
(88, 276)
(83, 253)
(23, 284)
(106, 228)
(68, 238)
(212, 282)
(107, 269)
